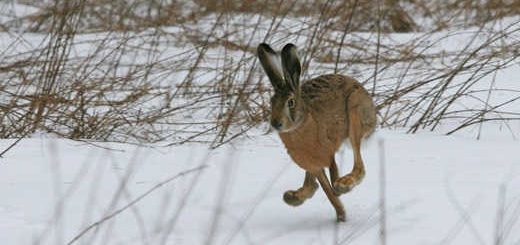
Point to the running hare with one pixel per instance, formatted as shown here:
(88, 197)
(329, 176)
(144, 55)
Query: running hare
(313, 119)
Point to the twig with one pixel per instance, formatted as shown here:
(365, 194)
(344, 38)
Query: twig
(382, 192)
(10, 146)
(376, 65)
(133, 202)
(499, 223)
(345, 31)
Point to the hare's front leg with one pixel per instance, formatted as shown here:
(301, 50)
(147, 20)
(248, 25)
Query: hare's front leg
(334, 200)
(297, 197)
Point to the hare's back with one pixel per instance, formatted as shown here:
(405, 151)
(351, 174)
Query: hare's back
(330, 98)
(327, 92)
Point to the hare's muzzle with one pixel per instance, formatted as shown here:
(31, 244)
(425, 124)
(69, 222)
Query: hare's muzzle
(276, 124)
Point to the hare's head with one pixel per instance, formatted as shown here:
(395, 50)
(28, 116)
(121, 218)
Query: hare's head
(287, 107)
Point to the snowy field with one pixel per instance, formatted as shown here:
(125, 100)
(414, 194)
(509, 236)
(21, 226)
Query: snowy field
(440, 190)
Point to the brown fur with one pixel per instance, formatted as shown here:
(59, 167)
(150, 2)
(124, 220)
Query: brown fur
(325, 127)
(314, 119)
(335, 108)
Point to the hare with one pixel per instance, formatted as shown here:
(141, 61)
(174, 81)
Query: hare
(314, 119)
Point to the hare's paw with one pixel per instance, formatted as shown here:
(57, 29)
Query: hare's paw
(346, 184)
(293, 199)
(340, 217)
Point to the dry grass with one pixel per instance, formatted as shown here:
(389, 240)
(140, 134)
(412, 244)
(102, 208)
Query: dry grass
(150, 71)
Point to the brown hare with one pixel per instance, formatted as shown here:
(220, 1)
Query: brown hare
(313, 119)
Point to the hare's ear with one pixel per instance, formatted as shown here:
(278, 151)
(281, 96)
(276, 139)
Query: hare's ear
(291, 65)
(271, 63)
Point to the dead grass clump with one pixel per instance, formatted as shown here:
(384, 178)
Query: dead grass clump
(147, 71)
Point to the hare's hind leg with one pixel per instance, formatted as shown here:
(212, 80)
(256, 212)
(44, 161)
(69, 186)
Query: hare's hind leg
(349, 181)
(334, 173)
(333, 170)
(297, 197)
(327, 188)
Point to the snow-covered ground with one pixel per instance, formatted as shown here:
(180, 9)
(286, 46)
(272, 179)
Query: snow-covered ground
(440, 190)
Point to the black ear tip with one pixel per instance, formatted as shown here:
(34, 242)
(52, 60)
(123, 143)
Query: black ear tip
(264, 47)
(289, 46)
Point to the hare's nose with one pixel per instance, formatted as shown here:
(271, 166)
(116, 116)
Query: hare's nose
(276, 124)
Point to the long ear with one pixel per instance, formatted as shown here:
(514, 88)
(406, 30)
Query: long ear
(291, 65)
(271, 63)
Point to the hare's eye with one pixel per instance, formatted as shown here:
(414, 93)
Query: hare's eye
(290, 103)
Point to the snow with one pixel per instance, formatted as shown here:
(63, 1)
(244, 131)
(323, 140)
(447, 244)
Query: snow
(440, 189)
